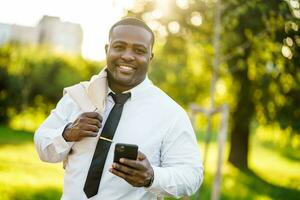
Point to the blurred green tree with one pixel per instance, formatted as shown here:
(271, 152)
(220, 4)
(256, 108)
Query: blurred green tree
(35, 75)
(260, 47)
(182, 54)
(262, 53)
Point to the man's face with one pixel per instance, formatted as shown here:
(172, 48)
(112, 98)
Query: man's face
(128, 55)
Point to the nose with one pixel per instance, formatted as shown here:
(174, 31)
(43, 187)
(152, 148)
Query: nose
(127, 55)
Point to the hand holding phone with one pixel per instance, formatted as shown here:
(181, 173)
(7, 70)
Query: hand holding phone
(122, 150)
(136, 169)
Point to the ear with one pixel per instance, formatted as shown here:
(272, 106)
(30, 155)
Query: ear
(106, 48)
(151, 57)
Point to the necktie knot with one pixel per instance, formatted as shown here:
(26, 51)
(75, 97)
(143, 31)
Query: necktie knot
(120, 98)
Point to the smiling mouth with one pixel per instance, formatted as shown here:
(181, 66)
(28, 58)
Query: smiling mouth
(126, 68)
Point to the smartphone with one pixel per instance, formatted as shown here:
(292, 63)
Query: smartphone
(123, 150)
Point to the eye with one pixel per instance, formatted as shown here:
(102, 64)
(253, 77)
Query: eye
(118, 47)
(140, 51)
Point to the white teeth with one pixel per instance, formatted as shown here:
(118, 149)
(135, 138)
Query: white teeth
(125, 67)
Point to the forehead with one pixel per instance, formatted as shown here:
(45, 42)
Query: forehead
(131, 34)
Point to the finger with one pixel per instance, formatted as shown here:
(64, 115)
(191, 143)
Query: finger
(93, 115)
(122, 175)
(132, 180)
(88, 127)
(88, 134)
(125, 169)
(132, 163)
(95, 122)
(92, 121)
(141, 156)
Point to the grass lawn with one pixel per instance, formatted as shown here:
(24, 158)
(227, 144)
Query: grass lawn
(273, 175)
(23, 175)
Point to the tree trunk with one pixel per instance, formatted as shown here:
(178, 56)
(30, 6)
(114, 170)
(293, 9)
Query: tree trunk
(239, 141)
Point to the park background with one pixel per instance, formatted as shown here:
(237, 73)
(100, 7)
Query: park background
(257, 76)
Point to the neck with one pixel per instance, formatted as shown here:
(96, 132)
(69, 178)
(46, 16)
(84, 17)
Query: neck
(117, 88)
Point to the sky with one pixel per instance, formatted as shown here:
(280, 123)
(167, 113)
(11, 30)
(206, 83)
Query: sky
(94, 16)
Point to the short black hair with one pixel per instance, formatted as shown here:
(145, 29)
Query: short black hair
(135, 22)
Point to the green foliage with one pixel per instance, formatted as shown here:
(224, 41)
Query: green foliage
(259, 48)
(182, 60)
(34, 76)
(259, 66)
(258, 76)
(172, 72)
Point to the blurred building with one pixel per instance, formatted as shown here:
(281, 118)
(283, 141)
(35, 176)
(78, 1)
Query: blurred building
(63, 36)
(5, 33)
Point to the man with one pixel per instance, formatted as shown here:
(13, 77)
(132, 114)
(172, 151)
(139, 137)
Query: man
(168, 162)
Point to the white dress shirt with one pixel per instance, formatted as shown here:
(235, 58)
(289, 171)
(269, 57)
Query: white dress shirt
(150, 119)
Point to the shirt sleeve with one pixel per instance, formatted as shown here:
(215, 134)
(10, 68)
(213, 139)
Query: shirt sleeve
(181, 170)
(48, 139)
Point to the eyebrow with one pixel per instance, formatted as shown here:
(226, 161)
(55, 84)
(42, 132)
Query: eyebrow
(135, 44)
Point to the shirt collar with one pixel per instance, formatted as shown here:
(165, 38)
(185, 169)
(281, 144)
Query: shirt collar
(135, 91)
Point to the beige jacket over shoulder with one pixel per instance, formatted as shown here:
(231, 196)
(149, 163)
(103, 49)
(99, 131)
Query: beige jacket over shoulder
(90, 95)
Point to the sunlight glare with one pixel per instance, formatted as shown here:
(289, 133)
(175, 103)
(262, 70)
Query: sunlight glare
(174, 27)
(183, 4)
(157, 14)
(196, 19)
(289, 41)
(294, 4)
(286, 52)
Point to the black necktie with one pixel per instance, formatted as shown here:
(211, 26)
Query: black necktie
(96, 168)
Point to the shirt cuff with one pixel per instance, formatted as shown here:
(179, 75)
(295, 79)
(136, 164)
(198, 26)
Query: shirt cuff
(155, 187)
(60, 144)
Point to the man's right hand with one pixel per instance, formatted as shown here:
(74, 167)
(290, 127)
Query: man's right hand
(86, 125)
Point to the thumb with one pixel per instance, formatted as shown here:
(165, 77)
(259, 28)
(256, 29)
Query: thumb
(141, 156)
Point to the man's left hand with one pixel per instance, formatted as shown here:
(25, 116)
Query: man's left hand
(137, 173)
